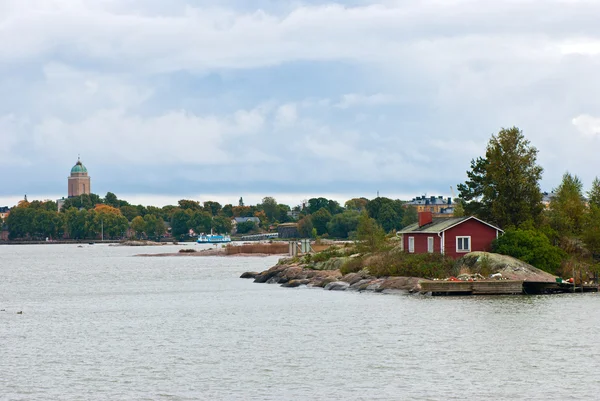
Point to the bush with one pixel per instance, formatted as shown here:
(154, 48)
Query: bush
(398, 263)
(530, 246)
(352, 265)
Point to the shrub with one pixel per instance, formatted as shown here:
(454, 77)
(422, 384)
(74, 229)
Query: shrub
(530, 246)
(352, 265)
(398, 263)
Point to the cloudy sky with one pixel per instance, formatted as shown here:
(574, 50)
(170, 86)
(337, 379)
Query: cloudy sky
(229, 98)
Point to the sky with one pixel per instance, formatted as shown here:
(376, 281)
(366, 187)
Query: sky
(215, 100)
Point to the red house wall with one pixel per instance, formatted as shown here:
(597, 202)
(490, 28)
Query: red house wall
(421, 242)
(481, 235)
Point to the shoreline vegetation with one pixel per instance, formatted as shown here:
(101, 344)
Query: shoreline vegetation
(391, 270)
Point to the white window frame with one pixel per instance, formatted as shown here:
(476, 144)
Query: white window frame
(411, 244)
(430, 244)
(468, 237)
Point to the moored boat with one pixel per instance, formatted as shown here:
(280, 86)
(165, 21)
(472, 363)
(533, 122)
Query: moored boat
(213, 238)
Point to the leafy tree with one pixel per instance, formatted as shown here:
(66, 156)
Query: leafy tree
(84, 201)
(388, 218)
(305, 227)
(341, 225)
(200, 222)
(370, 235)
(212, 207)
(75, 222)
(227, 210)
(269, 206)
(130, 212)
(245, 227)
(20, 222)
(591, 230)
(221, 225)
(241, 202)
(138, 225)
(187, 204)
(110, 221)
(155, 226)
(530, 246)
(334, 207)
(282, 213)
(503, 187)
(316, 204)
(356, 204)
(242, 211)
(111, 200)
(180, 223)
(320, 219)
(567, 207)
(410, 216)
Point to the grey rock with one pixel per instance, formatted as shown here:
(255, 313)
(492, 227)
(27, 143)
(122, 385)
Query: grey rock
(337, 286)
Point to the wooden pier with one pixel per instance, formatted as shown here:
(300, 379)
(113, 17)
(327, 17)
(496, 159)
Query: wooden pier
(500, 287)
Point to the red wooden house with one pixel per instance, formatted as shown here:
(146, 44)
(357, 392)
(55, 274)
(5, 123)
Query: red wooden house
(454, 236)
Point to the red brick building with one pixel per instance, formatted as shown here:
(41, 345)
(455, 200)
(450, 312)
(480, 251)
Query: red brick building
(449, 236)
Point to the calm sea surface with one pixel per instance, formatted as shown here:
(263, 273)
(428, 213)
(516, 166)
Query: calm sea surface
(99, 323)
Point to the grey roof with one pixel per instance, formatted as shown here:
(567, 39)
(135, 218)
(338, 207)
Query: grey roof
(440, 224)
(245, 219)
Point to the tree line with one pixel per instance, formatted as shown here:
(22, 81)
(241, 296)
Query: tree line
(90, 216)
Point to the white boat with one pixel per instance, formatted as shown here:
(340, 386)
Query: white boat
(213, 238)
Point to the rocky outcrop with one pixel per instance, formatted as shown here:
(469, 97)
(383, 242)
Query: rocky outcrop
(294, 275)
(502, 266)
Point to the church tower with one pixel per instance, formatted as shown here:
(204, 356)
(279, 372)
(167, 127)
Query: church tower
(79, 181)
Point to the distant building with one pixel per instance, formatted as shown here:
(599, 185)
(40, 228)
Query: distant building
(288, 230)
(437, 205)
(238, 220)
(4, 212)
(294, 214)
(79, 181)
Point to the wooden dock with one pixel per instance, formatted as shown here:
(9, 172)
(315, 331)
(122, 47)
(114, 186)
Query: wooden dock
(500, 287)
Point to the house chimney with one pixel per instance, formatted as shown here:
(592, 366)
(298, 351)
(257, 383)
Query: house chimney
(425, 218)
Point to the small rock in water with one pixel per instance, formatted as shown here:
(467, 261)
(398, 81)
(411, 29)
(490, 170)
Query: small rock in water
(337, 286)
(20, 312)
(249, 275)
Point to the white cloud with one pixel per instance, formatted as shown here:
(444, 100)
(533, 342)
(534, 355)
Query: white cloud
(287, 114)
(587, 125)
(355, 99)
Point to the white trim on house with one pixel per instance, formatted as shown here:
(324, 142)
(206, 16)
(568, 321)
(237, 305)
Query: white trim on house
(443, 243)
(461, 239)
(411, 244)
(430, 244)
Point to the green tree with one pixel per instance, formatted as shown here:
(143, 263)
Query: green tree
(410, 216)
(84, 201)
(200, 222)
(130, 212)
(503, 187)
(370, 235)
(20, 222)
(241, 202)
(180, 223)
(245, 227)
(138, 225)
(341, 225)
(591, 230)
(530, 246)
(111, 199)
(155, 226)
(269, 206)
(187, 204)
(567, 207)
(221, 225)
(316, 204)
(320, 219)
(594, 193)
(75, 223)
(282, 213)
(356, 204)
(212, 207)
(305, 227)
(227, 210)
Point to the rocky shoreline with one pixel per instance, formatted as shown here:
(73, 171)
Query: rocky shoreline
(294, 275)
